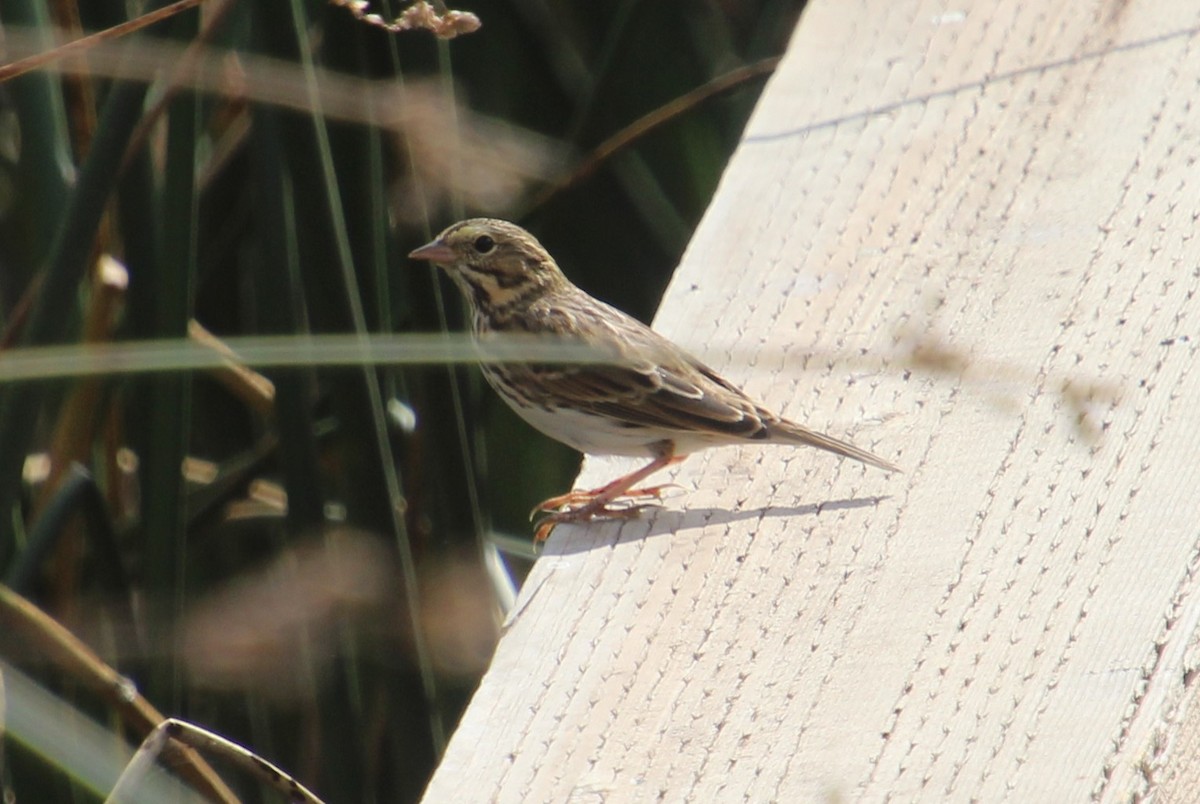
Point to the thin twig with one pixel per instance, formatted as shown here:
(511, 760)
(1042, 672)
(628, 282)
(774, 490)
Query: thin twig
(22, 66)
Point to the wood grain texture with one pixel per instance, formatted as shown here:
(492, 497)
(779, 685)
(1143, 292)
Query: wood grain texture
(966, 240)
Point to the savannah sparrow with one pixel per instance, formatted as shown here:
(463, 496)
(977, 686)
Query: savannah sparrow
(654, 401)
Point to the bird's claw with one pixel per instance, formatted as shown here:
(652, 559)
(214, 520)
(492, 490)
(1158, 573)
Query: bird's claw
(584, 498)
(586, 513)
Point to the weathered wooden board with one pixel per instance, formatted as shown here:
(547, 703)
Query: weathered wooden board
(965, 238)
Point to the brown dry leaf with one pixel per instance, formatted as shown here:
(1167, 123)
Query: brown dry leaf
(419, 16)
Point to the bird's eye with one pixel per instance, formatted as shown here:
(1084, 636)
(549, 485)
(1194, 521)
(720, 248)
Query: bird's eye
(484, 244)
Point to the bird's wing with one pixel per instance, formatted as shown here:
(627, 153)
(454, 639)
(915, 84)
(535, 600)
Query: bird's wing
(654, 383)
(651, 383)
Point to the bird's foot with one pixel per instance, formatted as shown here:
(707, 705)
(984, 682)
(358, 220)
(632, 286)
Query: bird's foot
(616, 500)
(581, 498)
(586, 513)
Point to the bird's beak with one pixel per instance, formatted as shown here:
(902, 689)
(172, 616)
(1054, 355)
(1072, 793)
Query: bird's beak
(437, 251)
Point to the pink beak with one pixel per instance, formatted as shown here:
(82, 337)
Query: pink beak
(437, 251)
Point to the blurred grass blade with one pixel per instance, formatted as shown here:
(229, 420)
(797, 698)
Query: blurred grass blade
(285, 351)
(45, 168)
(76, 495)
(54, 646)
(279, 283)
(165, 429)
(79, 746)
(51, 315)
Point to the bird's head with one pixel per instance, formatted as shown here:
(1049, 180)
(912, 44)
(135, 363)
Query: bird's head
(495, 263)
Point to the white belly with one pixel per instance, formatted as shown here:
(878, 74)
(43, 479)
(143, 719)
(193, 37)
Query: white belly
(594, 435)
(597, 435)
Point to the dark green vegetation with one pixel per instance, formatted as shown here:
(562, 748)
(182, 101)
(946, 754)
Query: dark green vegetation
(313, 586)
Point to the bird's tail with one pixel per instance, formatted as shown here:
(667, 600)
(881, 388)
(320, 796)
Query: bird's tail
(791, 433)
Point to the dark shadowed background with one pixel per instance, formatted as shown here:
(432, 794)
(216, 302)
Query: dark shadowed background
(321, 584)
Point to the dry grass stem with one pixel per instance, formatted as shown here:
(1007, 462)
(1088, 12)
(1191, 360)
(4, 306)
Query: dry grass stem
(255, 390)
(171, 730)
(42, 634)
(44, 59)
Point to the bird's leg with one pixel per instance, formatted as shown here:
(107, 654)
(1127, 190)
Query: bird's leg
(596, 502)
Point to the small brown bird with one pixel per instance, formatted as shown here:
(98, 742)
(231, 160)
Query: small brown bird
(656, 401)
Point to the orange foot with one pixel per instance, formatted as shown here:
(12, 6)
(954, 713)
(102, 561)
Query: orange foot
(587, 513)
(582, 506)
(583, 497)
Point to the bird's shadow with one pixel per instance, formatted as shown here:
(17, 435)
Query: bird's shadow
(570, 539)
